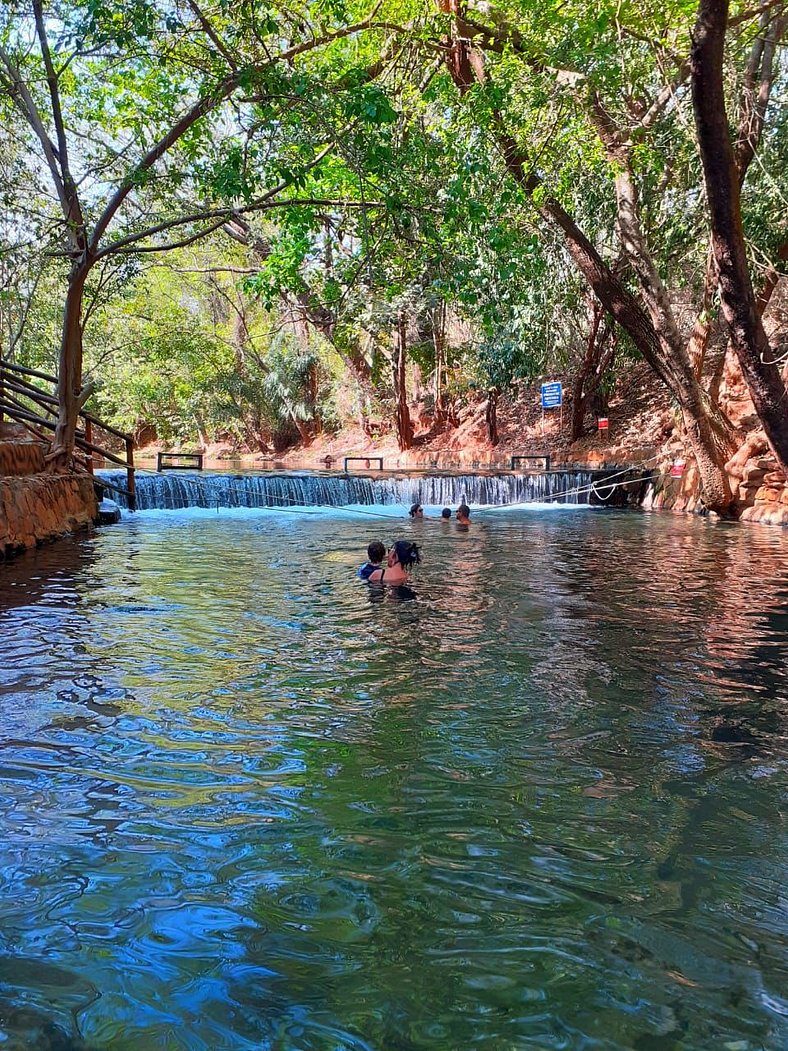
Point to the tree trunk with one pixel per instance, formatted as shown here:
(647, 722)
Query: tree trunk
(439, 376)
(739, 304)
(69, 387)
(677, 375)
(588, 367)
(404, 422)
(491, 416)
(202, 434)
(303, 429)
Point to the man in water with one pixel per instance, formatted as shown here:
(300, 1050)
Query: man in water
(463, 515)
(446, 514)
(376, 552)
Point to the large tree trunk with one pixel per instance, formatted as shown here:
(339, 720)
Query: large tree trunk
(739, 303)
(676, 373)
(491, 416)
(70, 395)
(596, 361)
(404, 422)
(660, 349)
(439, 375)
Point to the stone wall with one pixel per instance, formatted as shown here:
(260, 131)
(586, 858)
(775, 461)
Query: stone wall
(36, 507)
(760, 489)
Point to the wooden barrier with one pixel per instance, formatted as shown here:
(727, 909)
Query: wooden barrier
(36, 409)
(366, 460)
(543, 458)
(193, 461)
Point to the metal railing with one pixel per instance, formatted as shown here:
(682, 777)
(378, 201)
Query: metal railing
(36, 408)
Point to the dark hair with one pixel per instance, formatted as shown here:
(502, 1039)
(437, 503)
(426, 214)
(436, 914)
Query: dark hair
(407, 553)
(464, 510)
(376, 551)
(446, 512)
(415, 508)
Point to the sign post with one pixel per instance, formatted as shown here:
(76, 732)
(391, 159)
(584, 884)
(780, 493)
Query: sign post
(553, 398)
(603, 423)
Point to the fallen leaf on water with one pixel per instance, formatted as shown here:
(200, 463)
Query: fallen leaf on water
(681, 979)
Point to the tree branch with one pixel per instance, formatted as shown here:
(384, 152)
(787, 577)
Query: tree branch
(20, 94)
(214, 36)
(57, 112)
(203, 106)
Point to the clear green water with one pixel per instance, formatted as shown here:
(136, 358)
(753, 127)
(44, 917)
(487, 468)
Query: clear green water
(248, 803)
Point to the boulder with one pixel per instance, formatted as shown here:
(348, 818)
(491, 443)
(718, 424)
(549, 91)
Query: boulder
(766, 495)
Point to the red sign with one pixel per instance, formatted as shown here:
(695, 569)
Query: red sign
(602, 423)
(677, 469)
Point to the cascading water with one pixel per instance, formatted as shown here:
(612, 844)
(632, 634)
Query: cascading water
(190, 489)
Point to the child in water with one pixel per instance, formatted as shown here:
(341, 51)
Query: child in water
(376, 552)
(403, 555)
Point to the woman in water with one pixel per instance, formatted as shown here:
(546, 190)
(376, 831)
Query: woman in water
(403, 555)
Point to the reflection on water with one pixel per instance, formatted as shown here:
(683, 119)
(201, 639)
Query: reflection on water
(533, 801)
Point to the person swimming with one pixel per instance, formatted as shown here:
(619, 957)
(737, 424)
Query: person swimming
(416, 510)
(376, 552)
(446, 514)
(402, 556)
(463, 515)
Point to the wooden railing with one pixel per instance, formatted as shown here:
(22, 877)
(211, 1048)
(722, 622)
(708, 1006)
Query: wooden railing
(36, 408)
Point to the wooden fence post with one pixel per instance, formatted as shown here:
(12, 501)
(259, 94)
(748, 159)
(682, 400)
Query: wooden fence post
(130, 484)
(89, 439)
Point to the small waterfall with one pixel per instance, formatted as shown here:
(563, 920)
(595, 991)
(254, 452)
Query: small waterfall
(180, 489)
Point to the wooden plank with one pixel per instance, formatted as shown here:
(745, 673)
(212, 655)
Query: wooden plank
(13, 367)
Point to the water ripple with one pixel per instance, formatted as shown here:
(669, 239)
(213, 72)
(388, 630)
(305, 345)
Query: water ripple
(248, 802)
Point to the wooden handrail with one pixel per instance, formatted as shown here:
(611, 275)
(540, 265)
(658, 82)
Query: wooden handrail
(39, 421)
(11, 380)
(36, 393)
(40, 397)
(13, 367)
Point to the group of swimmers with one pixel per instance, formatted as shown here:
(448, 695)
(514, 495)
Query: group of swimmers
(403, 555)
(462, 514)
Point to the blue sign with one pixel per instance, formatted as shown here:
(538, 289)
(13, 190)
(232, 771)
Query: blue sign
(552, 395)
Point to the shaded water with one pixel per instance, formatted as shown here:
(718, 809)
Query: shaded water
(249, 802)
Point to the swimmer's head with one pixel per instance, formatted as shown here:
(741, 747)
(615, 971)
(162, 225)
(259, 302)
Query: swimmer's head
(376, 552)
(416, 511)
(404, 552)
(463, 511)
(446, 512)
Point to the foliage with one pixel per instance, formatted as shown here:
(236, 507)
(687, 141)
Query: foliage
(369, 190)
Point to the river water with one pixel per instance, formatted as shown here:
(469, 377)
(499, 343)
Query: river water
(537, 800)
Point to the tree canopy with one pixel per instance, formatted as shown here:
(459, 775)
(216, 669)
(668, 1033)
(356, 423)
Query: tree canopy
(270, 201)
